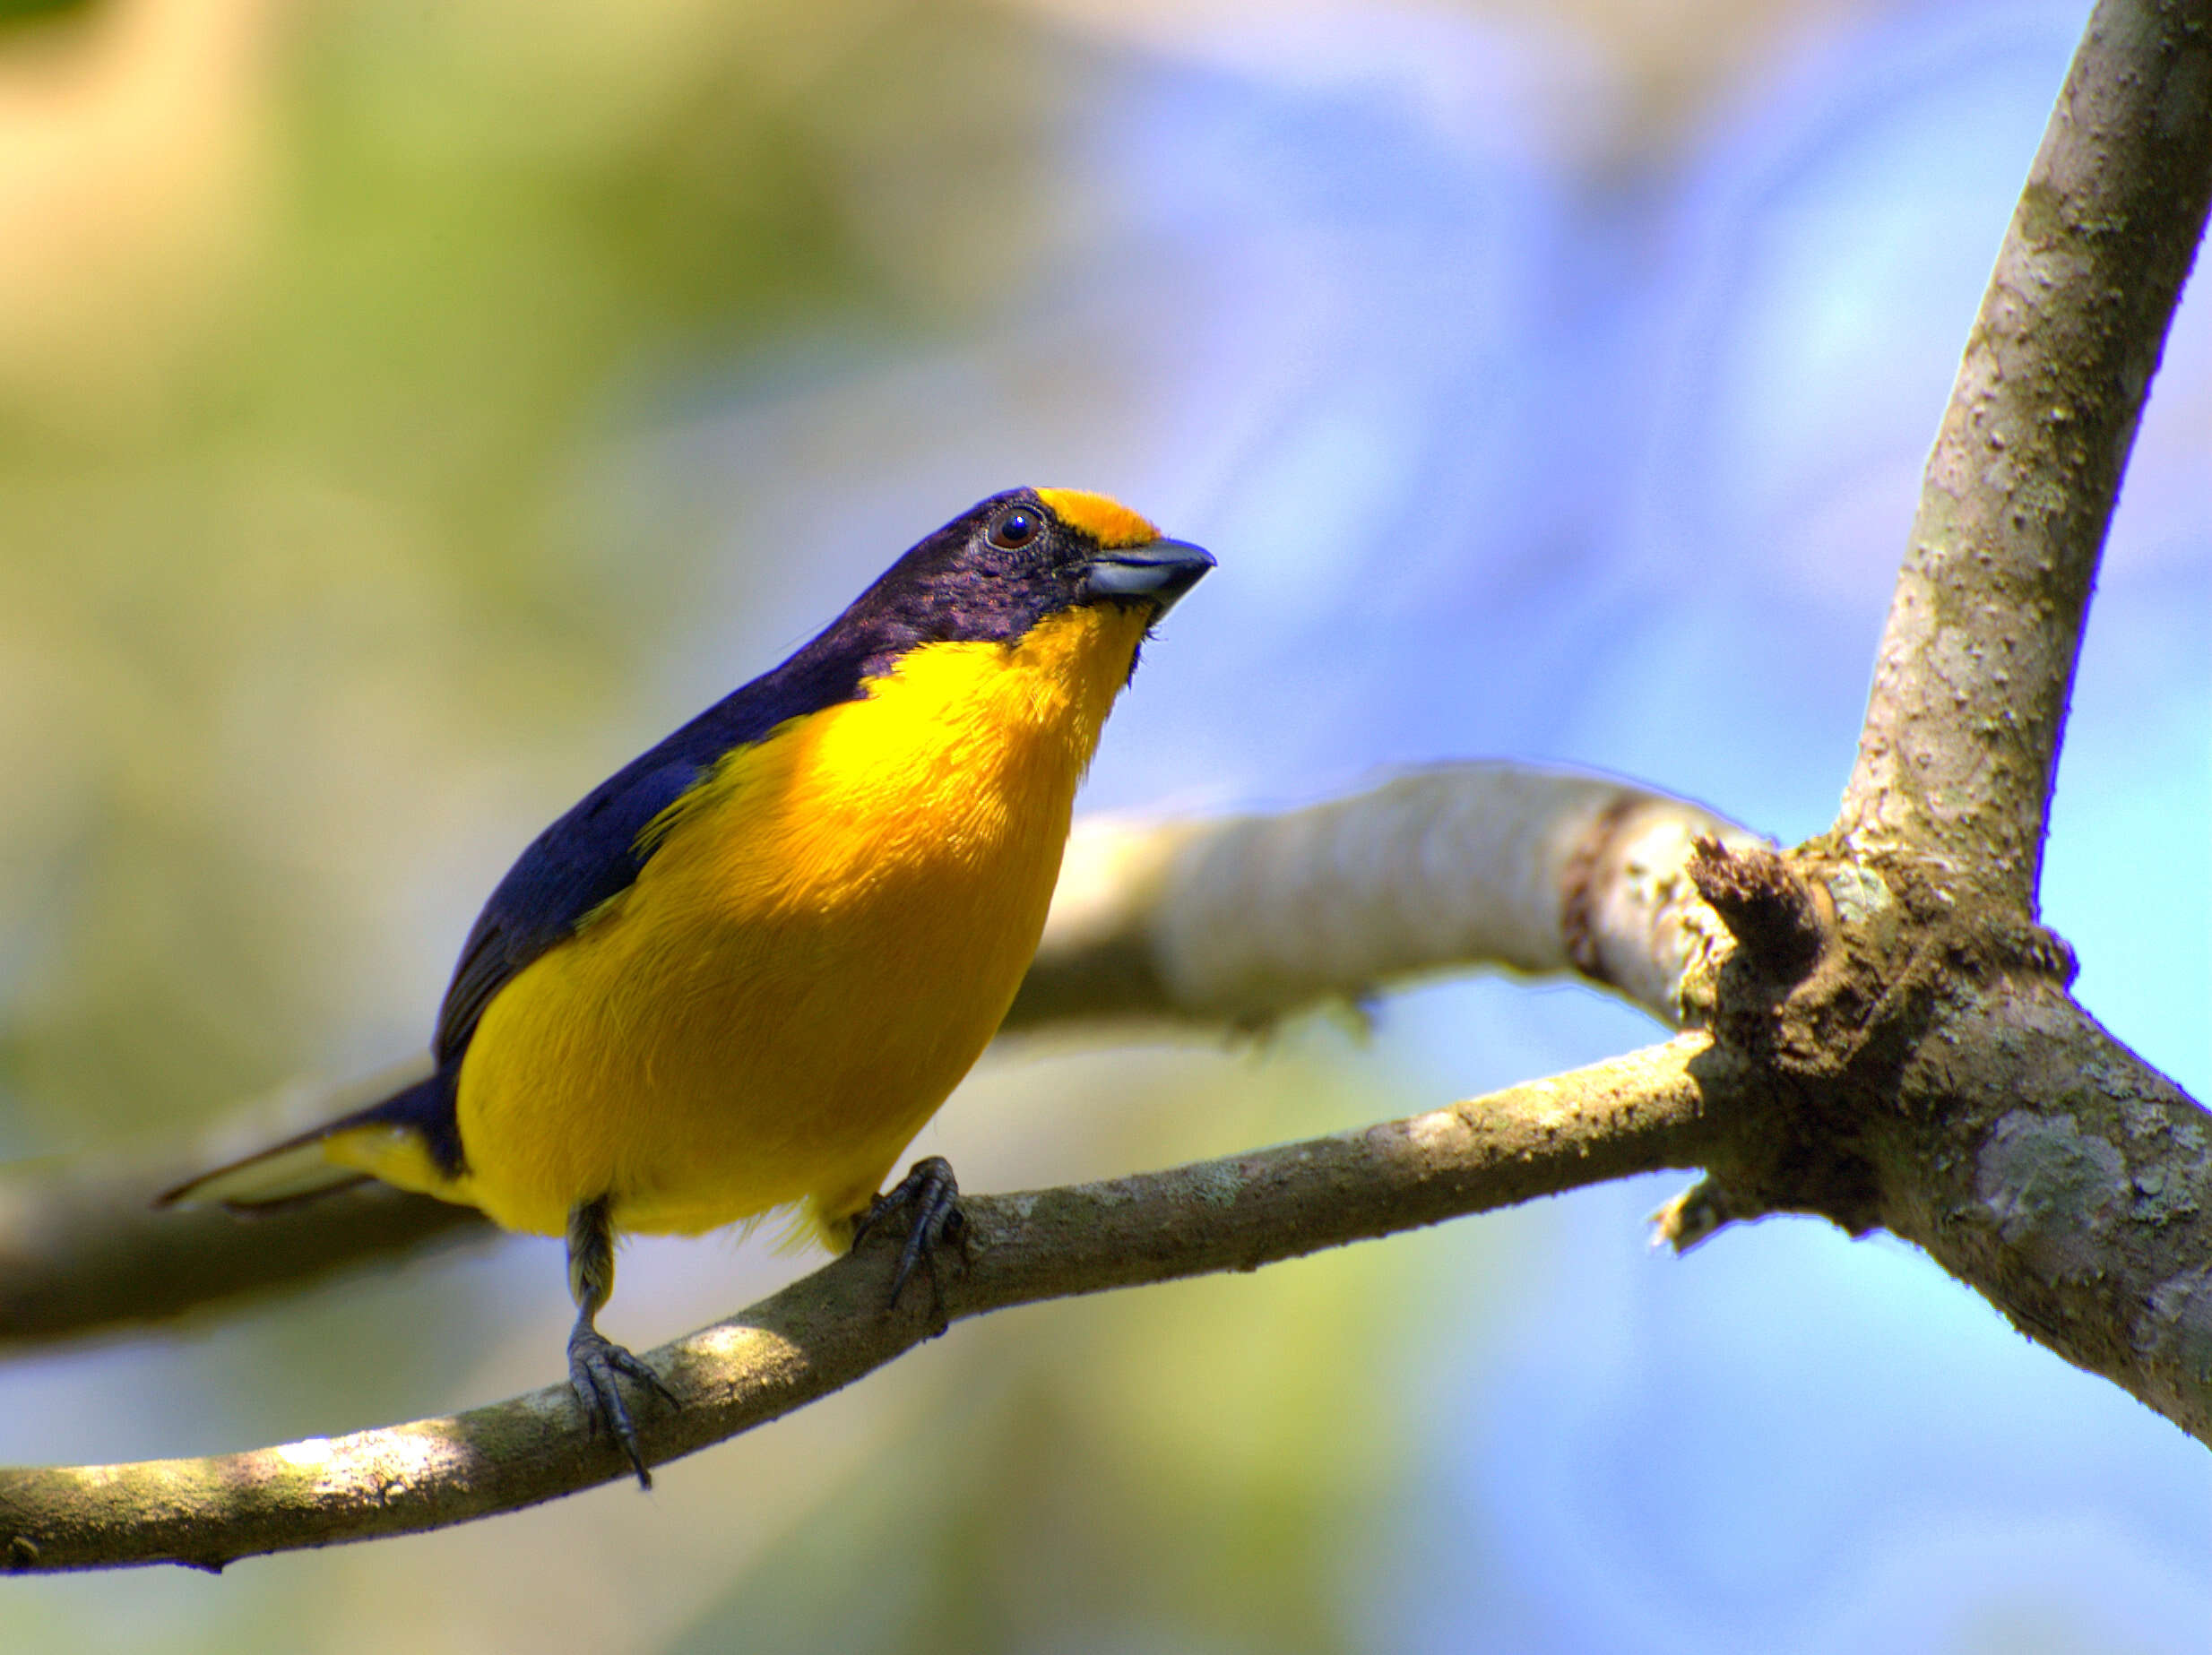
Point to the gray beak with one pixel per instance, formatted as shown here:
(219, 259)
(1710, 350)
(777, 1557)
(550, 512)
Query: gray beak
(1159, 570)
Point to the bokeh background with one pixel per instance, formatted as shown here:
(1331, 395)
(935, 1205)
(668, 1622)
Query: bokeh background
(408, 411)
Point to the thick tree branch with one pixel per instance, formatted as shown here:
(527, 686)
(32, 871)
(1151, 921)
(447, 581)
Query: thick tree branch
(1648, 1109)
(1467, 864)
(1933, 1076)
(2045, 1165)
(1245, 917)
(1971, 686)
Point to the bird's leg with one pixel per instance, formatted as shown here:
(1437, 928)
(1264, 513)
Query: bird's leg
(932, 1193)
(597, 1366)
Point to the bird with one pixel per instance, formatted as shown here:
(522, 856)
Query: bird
(742, 973)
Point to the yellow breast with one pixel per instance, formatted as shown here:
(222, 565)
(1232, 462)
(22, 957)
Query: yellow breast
(829, 932)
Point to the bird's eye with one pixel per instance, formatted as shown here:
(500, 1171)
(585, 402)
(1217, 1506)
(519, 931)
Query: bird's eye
(1015, 527)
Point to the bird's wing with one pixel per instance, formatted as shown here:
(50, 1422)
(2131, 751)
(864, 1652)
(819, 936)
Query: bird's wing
(589, 856)
(596, 851)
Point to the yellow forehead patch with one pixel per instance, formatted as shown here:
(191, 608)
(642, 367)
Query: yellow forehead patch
(1108, 521)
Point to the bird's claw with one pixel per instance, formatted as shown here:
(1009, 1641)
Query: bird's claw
(597, 1366)
(932, 1195)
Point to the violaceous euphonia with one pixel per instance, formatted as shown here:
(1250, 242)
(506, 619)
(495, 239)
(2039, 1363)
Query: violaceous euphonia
(743, 972)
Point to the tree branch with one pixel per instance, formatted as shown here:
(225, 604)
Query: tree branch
(1243, 919)
(84, 1249)
(1462, 866)
(1648, 1109)
(1976, 665)
(2046, 1166)
(1930, 1075)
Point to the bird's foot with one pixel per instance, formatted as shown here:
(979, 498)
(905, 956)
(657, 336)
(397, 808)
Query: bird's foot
(931, 1194)
(597, 1366)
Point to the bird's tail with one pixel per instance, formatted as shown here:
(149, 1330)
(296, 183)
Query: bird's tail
(301, 1167)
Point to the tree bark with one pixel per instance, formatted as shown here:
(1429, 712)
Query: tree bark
(1632, 1113)
(1963, 729)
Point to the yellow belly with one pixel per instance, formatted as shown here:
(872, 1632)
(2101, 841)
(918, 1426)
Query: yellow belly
(825, 939)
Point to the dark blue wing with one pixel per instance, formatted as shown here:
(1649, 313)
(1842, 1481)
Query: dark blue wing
(587, 857)
(593, 854)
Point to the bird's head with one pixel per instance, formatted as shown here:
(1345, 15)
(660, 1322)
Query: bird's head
(1017, 558)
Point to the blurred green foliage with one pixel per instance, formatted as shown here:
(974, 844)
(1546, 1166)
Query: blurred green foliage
(13, 12)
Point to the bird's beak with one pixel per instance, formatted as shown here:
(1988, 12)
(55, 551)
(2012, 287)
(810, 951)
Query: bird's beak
(1159, 570)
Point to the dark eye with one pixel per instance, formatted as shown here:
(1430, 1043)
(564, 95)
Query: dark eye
(1015, 528)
